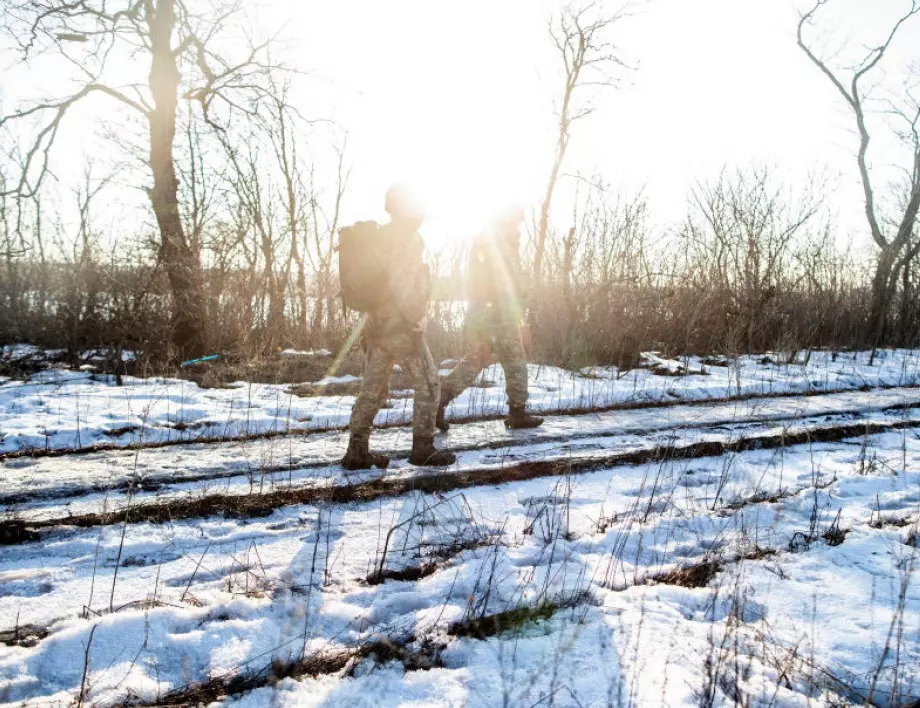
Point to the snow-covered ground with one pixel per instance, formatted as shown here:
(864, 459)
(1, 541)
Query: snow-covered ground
(779, 575)
(63, 409)
(43, 487)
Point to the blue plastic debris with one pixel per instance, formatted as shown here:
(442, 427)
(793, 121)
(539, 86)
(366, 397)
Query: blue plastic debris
(199, 360)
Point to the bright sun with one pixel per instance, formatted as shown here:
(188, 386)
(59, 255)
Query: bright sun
(471, 127)
(460, 197)
(465, 170)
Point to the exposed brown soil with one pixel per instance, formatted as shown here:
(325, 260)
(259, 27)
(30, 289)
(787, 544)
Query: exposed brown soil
(701, 573)
(23, 636)
(422, 657)
(491, 625)
(696, 575)
(15, 531)
(415, 656)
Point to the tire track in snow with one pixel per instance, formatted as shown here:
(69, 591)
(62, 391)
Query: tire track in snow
(14, 531)
(130, 481)
(35, 452)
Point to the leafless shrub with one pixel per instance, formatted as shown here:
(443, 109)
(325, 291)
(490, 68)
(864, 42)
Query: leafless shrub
(431, 532)
(548, 516)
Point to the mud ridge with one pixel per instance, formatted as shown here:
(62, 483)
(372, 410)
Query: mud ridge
(261, 505)
(430, 567)
(701, 573)
(160, 481)
(412, 653)
(414, 656)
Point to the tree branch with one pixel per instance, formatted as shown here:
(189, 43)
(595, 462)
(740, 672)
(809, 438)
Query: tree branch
(854, 101)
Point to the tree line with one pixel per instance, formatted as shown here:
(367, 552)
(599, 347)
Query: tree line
(240, 253)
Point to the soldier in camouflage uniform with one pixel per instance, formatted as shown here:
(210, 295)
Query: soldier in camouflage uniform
(496, 288)
(394, 332)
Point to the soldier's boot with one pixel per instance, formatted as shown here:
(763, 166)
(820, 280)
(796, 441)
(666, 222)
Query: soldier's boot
(440, 420)
(425, 454)
(518, 418)
(359, 457)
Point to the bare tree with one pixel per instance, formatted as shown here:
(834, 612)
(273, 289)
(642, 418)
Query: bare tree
(579, 34)
(595, 275)
(252, 183)
(892, 242)
(185, 47)
(200, 178)
(284, 140)
(740, 242)
(324, 225)
(23, 238)
(85, 246)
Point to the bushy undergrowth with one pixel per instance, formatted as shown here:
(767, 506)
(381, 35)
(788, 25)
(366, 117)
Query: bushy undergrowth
(753, 266)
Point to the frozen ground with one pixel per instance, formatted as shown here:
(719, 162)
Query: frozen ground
(719, 564)
(63, 409)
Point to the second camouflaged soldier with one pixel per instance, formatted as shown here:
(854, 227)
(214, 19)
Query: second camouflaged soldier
(382, 274)
(496, 289)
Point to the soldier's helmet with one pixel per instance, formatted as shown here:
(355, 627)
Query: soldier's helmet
(402, 202)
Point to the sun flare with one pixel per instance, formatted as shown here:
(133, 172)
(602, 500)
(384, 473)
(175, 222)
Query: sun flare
(464, 171)
(471, 128)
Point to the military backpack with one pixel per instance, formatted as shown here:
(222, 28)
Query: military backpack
(362, 276)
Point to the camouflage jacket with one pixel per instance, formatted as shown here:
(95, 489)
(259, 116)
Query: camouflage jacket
(408, 282)
(495, 275)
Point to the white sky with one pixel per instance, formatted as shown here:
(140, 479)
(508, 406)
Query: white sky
(458, 98)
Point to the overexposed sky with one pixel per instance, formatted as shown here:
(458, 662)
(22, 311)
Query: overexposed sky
(458, 97)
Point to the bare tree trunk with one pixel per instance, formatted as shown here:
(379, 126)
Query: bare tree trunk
(587, 57)
(906, 335)
(562, 143)
(884, 282)
(303, 303)
(286, 154)
(181, 262)
(880, 303)
(324, 312)
(317, 326)
(568, 266)
(274, 283)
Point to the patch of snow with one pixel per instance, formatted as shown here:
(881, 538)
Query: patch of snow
(233, 595)
(105, 355)
(660, 365)
(344, 379)
(81, 406)
(15, 352)
(307, 353)
(599, 372)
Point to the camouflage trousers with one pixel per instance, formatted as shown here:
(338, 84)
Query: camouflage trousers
(491, 334)
(409, 349)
